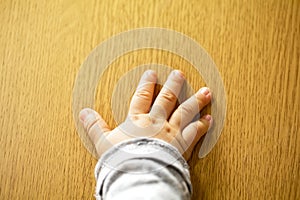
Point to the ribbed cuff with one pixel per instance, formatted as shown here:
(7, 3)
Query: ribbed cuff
(139, 148)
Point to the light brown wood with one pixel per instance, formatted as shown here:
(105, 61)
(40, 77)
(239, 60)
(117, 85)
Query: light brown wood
(255, 45)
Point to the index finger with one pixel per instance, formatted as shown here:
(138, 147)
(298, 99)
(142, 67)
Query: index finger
(142, 98)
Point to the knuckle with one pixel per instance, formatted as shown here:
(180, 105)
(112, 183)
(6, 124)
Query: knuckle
(143, 93)
(186, 109)
(90, 123)
(168, 96)
(201, 127)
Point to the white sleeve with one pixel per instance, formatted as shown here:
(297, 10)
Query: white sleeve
(142, 168)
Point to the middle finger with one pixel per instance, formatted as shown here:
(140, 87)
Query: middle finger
(166, 99)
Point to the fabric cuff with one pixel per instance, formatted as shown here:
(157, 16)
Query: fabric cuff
(140, 148)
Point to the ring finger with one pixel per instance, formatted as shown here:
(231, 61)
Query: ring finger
(185, 113)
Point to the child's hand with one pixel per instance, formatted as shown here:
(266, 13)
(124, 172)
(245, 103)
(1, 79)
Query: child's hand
(158, 121)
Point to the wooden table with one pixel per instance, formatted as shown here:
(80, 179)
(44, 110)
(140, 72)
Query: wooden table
(255, 45)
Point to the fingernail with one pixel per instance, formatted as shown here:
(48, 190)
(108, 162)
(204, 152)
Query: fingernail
(179, 73)
(83, 115)
(209, 119)
(204, 91)
(151, 73)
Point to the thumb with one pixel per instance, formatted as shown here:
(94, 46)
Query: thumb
(93, 123)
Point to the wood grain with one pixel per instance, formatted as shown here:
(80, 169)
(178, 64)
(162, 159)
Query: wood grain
(255, 45)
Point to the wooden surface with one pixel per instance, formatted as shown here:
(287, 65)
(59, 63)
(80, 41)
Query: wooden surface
(255, 45)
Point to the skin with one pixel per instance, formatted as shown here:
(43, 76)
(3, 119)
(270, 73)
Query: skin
(158, 120)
